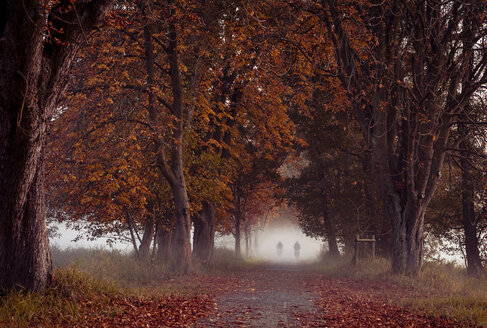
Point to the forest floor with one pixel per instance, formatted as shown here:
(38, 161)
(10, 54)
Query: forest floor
(242, 295)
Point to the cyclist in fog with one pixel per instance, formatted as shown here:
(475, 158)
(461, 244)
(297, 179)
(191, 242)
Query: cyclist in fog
(279, 248)
(297, 248)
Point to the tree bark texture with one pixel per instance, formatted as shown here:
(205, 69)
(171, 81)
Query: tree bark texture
(204, 234)
(33, 76)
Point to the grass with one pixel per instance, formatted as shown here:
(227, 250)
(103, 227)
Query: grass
(60, 305)
(454, 294)
(112, 265)
(445, 288)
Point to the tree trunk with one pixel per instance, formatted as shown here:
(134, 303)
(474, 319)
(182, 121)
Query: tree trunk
(164, 241)
(472, 252)
(25, 258)
(474, 263)
(172, 170)
(204, 234)
(349, 241)
(330, 230)
(247, 244)
(414, 240)
(238, 250)
(33, 76)
(144, 247)
(181, 252)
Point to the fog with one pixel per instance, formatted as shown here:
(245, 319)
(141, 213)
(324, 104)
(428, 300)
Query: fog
(265, 244)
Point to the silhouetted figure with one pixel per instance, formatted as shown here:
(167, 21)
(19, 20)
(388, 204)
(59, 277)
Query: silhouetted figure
(279, 248)
(297, 248)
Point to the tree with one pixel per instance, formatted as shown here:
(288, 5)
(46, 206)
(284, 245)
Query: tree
(456, 214)
(32, 83)
(404, 69)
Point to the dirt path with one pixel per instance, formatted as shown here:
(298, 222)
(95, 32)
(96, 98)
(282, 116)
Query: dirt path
(276, 297)
(289, 296)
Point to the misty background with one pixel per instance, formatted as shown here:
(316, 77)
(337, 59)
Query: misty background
(263, 243)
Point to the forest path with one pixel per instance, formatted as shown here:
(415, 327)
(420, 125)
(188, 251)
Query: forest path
(275, 295)
(280, 295)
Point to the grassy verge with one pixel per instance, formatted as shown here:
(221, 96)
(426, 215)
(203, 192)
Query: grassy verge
(443, 289)
(65, 303)
(112, 265)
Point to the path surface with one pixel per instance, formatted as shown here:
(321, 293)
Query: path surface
(276, 297)
(290, 296)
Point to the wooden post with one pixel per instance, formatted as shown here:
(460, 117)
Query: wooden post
(363, 240)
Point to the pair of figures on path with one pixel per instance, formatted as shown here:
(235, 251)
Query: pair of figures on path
(297, 249)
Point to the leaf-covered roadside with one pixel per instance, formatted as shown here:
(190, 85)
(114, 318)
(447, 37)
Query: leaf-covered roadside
(347, 303)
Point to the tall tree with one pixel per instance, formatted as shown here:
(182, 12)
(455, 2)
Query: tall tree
(32, 83)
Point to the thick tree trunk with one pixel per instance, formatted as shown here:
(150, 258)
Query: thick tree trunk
(398, 234)
(164, 241)
(408, 233)
(414, 239)
(25, 258)
(33, 76)
(349, 241)
(181, 252)
(204, 234)
(330, 230)
(144, 247)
